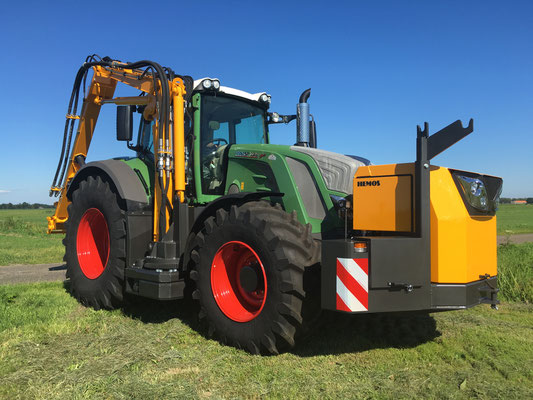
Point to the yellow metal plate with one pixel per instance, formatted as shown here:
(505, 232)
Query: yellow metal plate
(383, 198)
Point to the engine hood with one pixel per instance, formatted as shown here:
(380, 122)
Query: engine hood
(337, 170)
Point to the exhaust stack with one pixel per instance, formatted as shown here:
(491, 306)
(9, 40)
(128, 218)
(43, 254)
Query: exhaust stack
(302, 112)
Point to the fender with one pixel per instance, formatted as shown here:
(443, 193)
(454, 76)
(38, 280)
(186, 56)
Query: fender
(210, 210)
(231, 199)
(123, 180)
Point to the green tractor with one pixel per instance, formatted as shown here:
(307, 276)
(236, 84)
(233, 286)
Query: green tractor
(264, 236)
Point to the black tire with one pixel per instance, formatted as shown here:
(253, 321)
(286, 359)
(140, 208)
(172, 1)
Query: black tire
(91, 286)
(285, 250)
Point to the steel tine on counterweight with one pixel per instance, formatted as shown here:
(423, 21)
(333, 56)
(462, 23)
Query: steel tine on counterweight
(421, 132)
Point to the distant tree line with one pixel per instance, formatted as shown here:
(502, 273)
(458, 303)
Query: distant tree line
(507, 200)
(21, 206)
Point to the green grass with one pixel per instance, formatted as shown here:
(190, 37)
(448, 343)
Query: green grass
(515, 218)
(23, 238)
(53, 348)
(515, 272)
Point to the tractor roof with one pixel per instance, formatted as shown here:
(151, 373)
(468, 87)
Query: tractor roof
(231, 91)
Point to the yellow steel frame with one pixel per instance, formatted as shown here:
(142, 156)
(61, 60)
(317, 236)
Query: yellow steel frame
(102, 89)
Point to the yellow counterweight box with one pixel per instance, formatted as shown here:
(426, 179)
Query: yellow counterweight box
(463, 246)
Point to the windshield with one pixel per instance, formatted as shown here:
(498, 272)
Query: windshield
(226, 121)
(229, 121)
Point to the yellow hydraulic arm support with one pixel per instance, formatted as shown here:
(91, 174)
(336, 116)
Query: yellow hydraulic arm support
(168, 137)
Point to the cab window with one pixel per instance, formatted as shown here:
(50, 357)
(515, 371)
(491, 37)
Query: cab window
(226, 121)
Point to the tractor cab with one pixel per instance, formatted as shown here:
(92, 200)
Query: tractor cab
(221, 117)
(217, 117)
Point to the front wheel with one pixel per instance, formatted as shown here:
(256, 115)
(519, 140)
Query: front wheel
(95, 245)
(249, 271)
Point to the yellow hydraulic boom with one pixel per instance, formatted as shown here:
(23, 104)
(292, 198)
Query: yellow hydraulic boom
(168, 131)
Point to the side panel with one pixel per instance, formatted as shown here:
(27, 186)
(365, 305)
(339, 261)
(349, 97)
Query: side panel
(263, 168)
(383, 198)
(463, 247)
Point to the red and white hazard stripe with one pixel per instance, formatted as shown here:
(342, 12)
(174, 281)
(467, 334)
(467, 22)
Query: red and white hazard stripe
(352, 284)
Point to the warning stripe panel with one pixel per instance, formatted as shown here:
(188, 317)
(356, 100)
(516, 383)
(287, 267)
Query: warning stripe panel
(355, 270)
(349, 282)
(341, 305)
(352, 284)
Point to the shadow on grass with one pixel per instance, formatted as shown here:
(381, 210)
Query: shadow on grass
(342, 333)
(154, 311)
(336, 333)
(58, 268)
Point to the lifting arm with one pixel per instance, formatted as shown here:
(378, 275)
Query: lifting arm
(164, 93)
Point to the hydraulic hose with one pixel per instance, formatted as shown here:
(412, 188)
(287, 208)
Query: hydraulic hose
(69, 126)
(163, 75)
(165, 125)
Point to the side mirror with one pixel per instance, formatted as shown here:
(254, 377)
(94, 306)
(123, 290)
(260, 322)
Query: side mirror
(125, 123)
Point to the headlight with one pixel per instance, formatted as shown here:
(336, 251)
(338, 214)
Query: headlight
(207, 83)
(216, 85)
(265, 98)
(475, 192)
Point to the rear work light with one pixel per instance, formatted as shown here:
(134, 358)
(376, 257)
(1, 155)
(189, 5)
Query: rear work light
(481, 193)
(475, 192)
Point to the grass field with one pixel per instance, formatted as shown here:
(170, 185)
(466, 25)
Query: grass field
(53, 348)
(515, 272)
(514, 218)
(23, 238)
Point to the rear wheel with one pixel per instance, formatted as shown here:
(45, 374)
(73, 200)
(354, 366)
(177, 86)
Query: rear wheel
(95, 245)
(249, 269)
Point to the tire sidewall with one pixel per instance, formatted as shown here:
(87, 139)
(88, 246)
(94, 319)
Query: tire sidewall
(84, 199)
(229, 231)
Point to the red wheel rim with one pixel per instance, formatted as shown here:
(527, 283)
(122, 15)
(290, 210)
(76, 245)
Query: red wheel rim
(232, 298)
(92, 243)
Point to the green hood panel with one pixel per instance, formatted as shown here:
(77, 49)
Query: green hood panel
(278, 168)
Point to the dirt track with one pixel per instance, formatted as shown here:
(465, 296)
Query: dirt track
(522, 238)
(56, 272)
(32, 273)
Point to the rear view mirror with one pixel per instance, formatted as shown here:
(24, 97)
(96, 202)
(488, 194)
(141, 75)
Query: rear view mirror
(125, 123)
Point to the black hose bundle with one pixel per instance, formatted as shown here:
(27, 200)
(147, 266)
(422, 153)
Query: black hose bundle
(163, 75)
(81, 76)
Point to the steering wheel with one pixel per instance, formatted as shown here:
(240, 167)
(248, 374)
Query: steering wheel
(211, 148)
(216, 142)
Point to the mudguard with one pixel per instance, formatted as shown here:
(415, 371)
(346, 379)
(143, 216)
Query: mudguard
(123, 180)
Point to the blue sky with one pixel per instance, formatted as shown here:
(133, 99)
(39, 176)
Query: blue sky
(376, 69)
